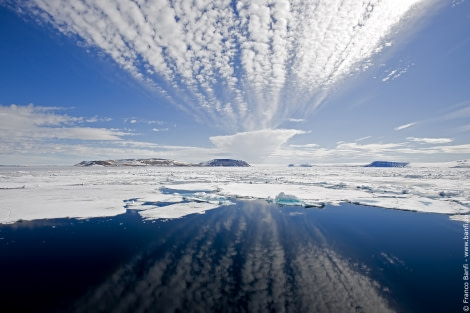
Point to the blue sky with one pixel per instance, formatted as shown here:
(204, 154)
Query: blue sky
(264, 81)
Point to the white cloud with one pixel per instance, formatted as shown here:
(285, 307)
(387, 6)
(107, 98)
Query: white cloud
(33, 123)
(305, 146)
(456, 149)
(95, 119)
(159, 129)
(363, 138)
(28, 116)
(296, 120)
(34, 135)
(343, 152)
(430, 140)
(254, 145)
(251, 65)
(404, 126)
(394, 74)
(412, 150)
(457, 2)
(373, 148)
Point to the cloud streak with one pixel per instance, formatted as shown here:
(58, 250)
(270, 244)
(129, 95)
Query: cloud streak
(430, 140)
(250, 64)
(401, 127)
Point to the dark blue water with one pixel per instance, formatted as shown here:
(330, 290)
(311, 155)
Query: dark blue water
(249, 257)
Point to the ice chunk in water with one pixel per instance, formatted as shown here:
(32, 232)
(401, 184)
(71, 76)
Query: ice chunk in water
(286, 199)
(209, 198)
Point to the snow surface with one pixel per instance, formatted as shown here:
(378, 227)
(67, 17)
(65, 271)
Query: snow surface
(29, 193)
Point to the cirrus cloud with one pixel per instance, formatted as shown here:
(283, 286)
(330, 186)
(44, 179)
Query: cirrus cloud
(430, 140)
(250, 64)
(404, 126)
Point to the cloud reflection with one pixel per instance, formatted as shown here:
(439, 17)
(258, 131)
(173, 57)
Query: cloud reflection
(249, 258)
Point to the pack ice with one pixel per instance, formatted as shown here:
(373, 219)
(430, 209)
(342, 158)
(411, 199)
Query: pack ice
(29, 193)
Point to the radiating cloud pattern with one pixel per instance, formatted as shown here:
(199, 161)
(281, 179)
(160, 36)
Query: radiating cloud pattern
(243, 65)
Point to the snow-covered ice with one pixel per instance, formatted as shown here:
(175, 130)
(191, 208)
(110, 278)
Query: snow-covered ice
(29, 193)
(177, 210)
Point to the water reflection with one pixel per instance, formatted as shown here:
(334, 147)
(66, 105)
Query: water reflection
(253, 257)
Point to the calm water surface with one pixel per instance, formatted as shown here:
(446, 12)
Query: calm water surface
(249, 257)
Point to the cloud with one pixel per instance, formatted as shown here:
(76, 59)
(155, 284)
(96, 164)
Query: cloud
(95, 119)
(363, 138)
(248, 64)
(456, 149)
(412, 150)
(32, 123)
(27, 133)
(254, 145)
(296, 120)
(35, 131)
(369, 149)
(34, 135)
(462, 111)
(457, 2)
(430, 140)
(306, 146)
(394, 74)
(404, 126)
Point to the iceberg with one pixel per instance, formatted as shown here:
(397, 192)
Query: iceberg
(286, 199)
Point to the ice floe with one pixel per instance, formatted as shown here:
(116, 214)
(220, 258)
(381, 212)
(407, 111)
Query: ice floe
(177, 210)
(30, 193)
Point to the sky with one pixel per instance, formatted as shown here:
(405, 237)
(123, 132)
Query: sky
(268, 82)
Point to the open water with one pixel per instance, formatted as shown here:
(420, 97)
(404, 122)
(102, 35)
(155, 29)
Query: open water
(249, 257)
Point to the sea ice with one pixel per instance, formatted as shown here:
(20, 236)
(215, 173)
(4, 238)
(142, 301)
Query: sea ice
(177, 210)
(30, 193)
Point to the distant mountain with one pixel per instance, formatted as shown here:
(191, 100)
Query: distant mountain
(386, 164)
(161, 162)
(134, 162)
(225, 162)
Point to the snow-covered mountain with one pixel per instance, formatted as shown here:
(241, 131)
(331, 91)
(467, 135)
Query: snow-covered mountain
(161, 162)
(135, 162)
